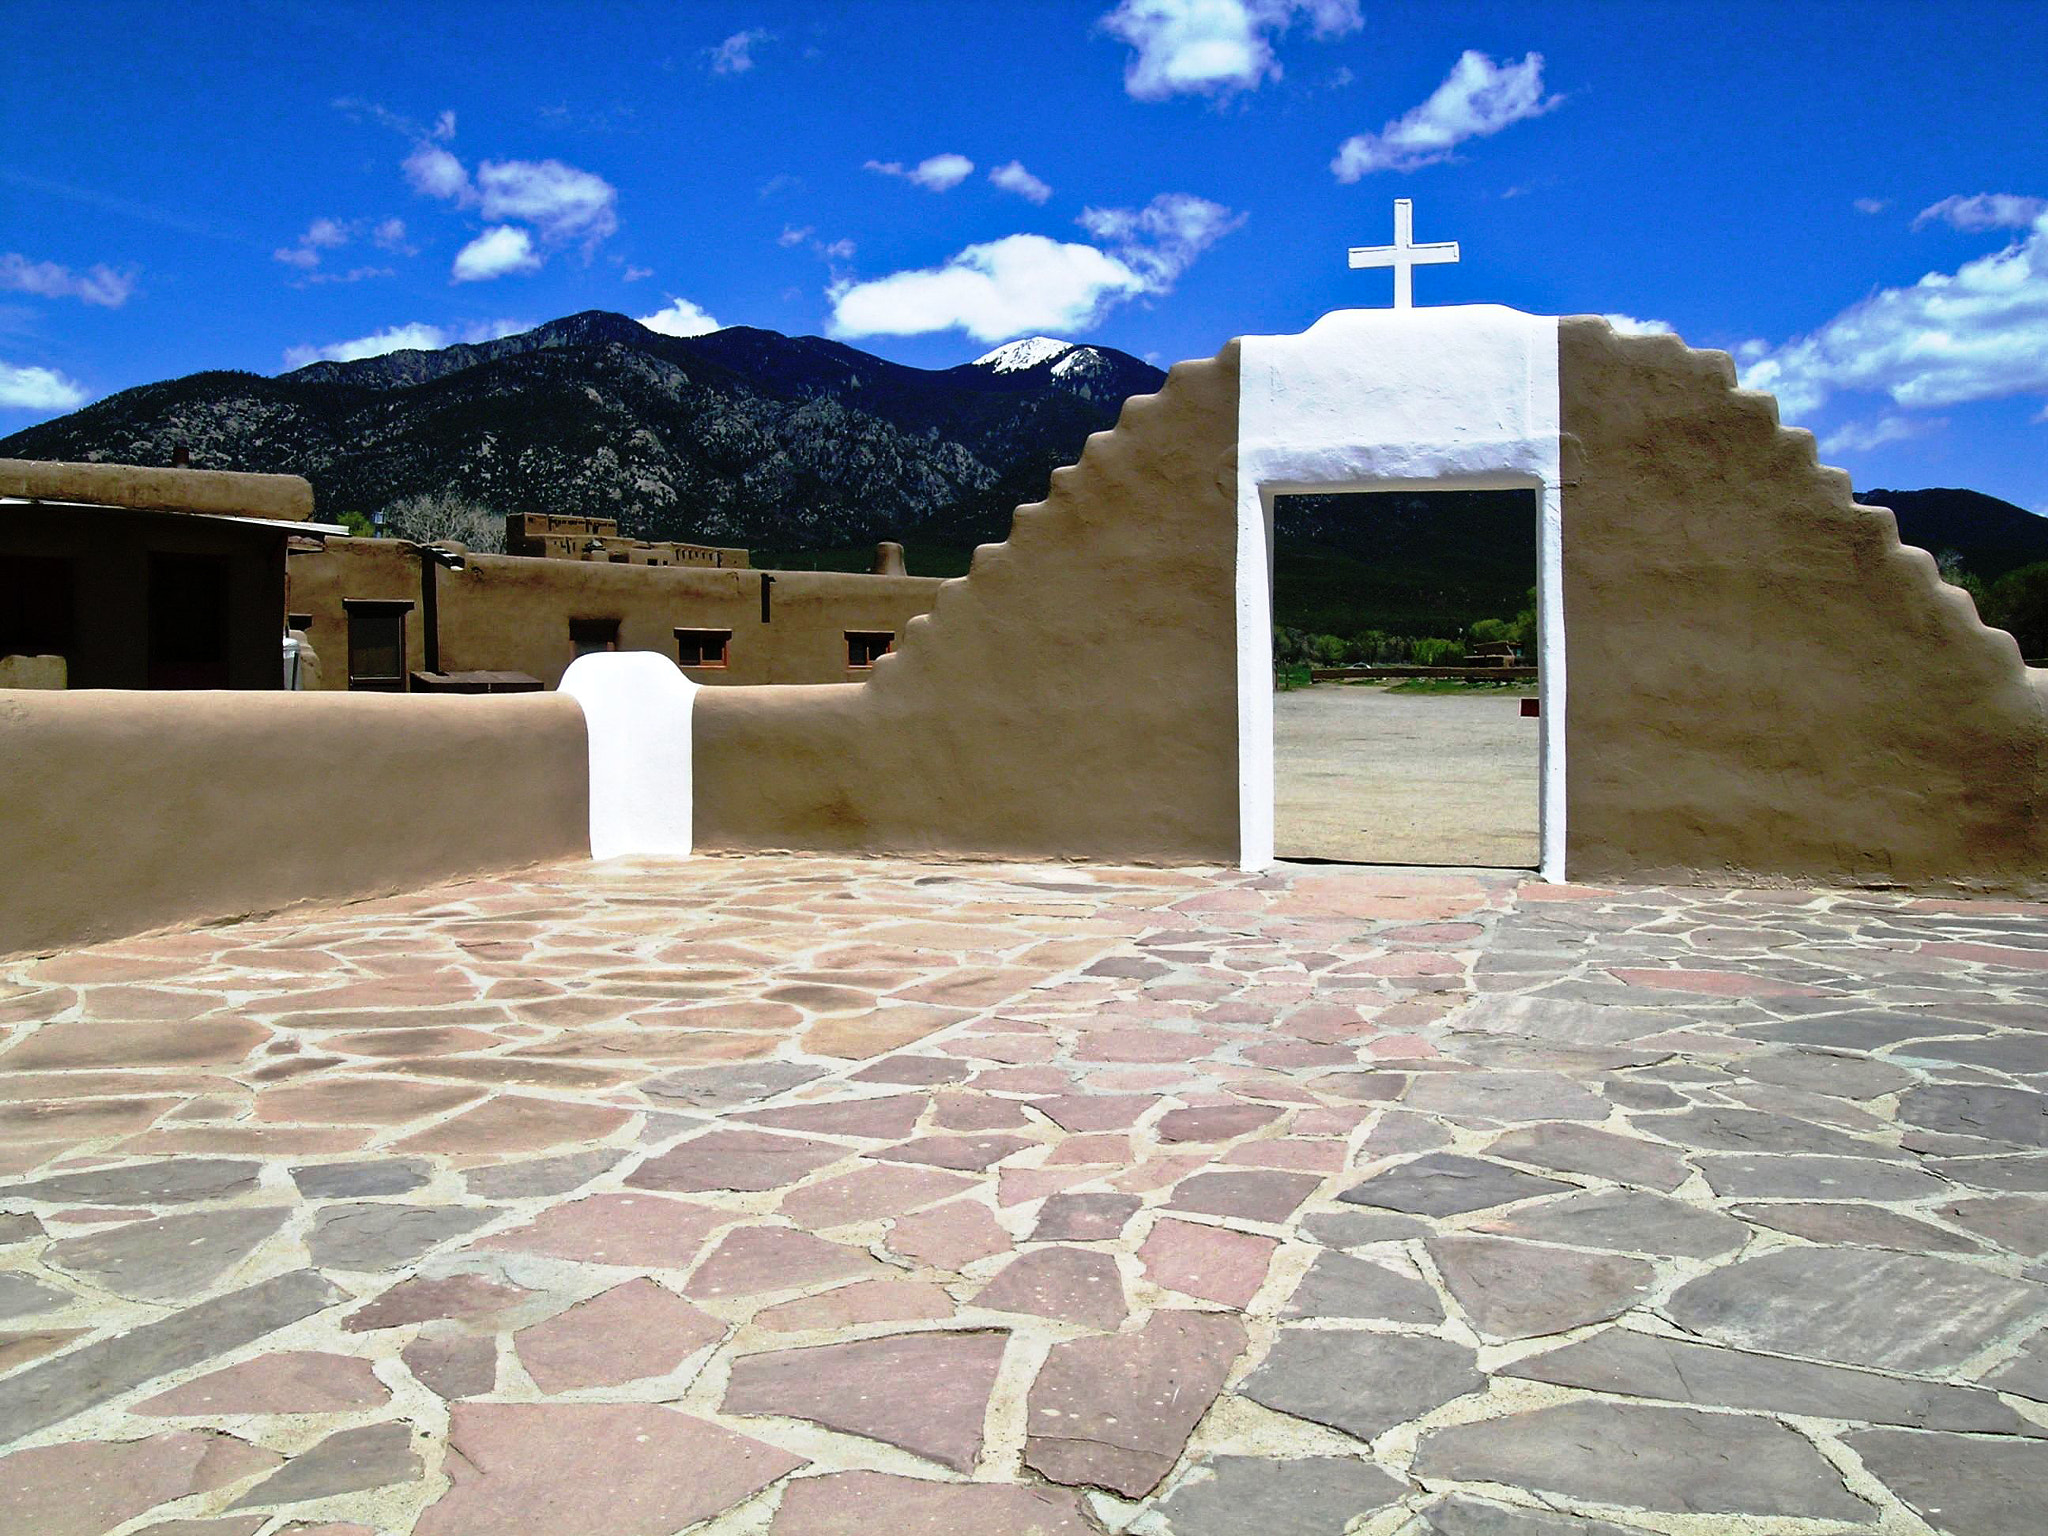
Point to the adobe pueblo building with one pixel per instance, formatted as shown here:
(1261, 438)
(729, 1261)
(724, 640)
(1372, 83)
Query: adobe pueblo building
(1746, 677)
(117, 576)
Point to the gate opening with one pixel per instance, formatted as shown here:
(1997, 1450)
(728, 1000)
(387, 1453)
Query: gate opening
(1406, 661)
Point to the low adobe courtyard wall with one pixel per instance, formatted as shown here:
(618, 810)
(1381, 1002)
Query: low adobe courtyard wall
(1763, 682)
(124, 811)
(1074, 696)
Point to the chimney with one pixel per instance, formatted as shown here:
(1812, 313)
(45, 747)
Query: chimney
(181, 457)
(889, 560)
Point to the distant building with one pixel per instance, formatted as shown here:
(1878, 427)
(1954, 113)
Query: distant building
(118, 576)
(546, 536)
(393, 616)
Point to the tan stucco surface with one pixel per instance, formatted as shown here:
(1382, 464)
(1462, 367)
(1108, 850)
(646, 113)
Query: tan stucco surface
(512, 613)
(1763, 682)
(133, 810)
(178, 490)
(1073, 696)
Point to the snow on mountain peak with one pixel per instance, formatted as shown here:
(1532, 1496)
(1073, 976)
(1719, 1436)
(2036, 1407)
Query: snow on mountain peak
(1015, 356)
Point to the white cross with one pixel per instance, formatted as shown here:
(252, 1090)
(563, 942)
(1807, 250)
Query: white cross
(1404, 255)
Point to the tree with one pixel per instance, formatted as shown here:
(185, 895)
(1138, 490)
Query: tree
(433, 516)
(2018, 603)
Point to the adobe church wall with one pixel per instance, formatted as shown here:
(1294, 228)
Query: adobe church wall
(1073, 696)
(127, 811)
(1763, 683)
(512, 613)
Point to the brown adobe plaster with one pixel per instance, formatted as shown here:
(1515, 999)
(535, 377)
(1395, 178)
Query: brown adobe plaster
(1763, 683)
(125, 811)
(1073, 696)
(286, 497)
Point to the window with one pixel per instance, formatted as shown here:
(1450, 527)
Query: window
(588, 635)
(864, 645)
(376, 644)
(702, 647)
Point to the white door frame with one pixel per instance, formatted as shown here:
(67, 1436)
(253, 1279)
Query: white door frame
(1459, 398)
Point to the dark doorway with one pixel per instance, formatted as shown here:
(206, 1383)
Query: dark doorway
(1404, 649)
(188, 621)
(35, 606)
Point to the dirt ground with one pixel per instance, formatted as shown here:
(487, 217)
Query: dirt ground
(1391, 778)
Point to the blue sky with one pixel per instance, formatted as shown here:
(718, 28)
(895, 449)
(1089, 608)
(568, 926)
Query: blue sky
(1849, 196)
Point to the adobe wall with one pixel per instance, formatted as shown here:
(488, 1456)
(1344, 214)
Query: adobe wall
(1763, 682)
(511, 613)
(130, 811)
(1073, 697)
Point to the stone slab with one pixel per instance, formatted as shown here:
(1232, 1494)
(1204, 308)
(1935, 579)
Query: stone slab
(1675, 1459)
(1449, 1184)
(864, 1503)
(1857, 1306)
(1312, 1496)
(592, 1469)
(348, 1461)
(1959, 1485)
(1114, 1412)
(627, 1333)
(1361, 1383)
(54, 1390)
(860, 1389)
(1625, 1362)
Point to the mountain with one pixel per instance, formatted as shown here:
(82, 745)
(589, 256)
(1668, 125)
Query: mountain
(1992, 536)
(739, 436)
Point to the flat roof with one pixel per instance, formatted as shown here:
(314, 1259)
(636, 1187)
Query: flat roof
(284, 525)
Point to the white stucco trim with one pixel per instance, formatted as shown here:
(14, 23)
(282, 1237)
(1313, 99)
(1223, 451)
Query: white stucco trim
(637, 710)
(1457, 398)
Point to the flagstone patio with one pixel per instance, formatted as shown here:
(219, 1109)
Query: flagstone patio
(808, 1196)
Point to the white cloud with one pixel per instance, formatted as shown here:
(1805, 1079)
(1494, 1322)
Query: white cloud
(432, 171)
(1024, 284)
(321, 235)
(636, 274)
(1214, 47)
(1478, 98)
(734, 56)
(1872, 204)
(1978, 333)
(1164, 237)
(390, 236)
(1987, 210)
(941, 173)
(444, 125)
(412, 336)
(680, 318)
(560, 201)
(1003, 288)
(352, 275)
(39, 389)
(1629, 325)
(497, 251)
(100, 285)
(791, 235)
(1862, 436)
(1014, 178)
(836, 250)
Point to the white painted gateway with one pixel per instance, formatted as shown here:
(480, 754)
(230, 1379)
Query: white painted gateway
(1458, 398)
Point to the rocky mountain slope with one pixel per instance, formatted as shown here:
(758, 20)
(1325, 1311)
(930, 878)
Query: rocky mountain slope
(740, 436)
